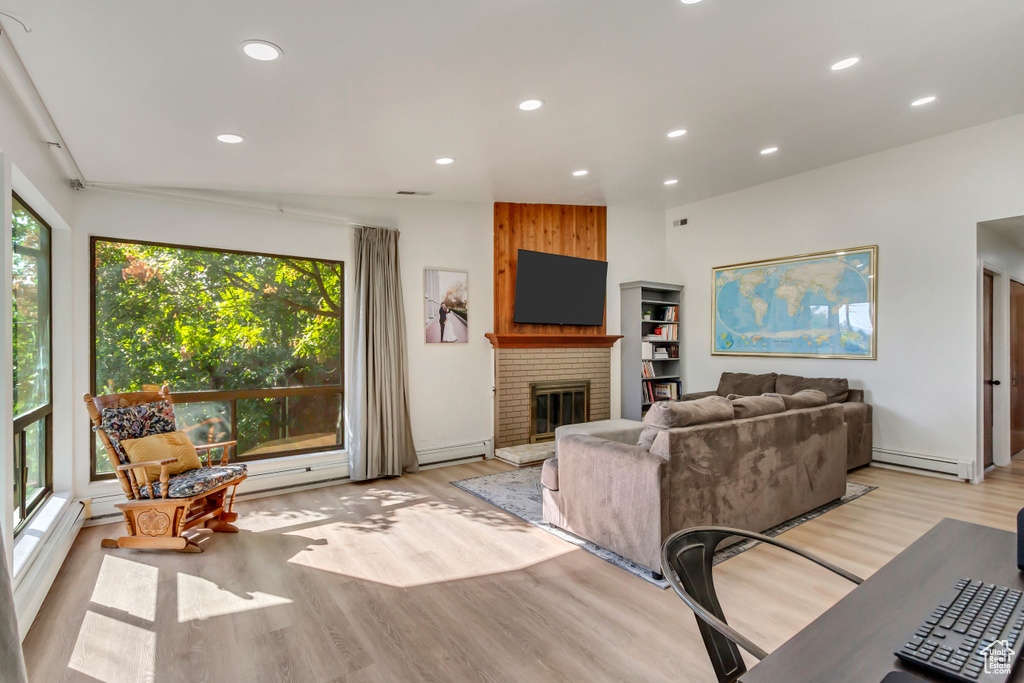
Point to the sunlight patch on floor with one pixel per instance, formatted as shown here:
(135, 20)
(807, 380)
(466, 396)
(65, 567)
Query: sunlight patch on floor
(113, 651)
(127, 586)
(389, 548)
(199, 599)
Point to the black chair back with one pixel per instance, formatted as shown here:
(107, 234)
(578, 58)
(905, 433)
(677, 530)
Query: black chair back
(686, 560)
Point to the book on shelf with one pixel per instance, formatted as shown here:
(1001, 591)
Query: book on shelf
(648, 369)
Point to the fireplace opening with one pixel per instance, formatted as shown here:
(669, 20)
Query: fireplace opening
(553, 404)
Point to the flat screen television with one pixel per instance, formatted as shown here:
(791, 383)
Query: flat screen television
(559, 290)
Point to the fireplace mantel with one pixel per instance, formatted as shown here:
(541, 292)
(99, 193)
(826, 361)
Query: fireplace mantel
(553, 341)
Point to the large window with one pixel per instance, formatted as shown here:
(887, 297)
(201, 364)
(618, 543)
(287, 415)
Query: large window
(33, 400)
(250, 344)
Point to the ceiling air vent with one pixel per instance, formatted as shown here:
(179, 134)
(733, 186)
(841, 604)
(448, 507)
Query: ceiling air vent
(680, 222)
(412, 193)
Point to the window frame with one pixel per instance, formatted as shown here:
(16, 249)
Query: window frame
(221, 395)
(43, 413)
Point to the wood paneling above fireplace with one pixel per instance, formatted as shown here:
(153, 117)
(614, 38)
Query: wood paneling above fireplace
(579, 231)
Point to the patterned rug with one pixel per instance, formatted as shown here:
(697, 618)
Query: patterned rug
(518, 492)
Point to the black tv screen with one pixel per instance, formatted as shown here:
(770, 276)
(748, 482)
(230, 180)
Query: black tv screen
(559, 290)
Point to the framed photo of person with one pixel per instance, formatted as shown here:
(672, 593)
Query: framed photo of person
(445, 306)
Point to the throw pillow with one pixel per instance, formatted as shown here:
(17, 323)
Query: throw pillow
(135, 422)
(808, 398)
(672, 414)
(160, 447)
(755, 406)
(836, 389)
(746, 384)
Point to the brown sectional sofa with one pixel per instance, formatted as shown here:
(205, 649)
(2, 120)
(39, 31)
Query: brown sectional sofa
(856, 413)
(751, 473)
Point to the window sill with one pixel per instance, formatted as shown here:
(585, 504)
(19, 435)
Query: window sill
(29, 542)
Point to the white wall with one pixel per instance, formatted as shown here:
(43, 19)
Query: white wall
(636, 238)
(920, 204)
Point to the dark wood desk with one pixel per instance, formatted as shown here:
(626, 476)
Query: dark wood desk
(854, 641)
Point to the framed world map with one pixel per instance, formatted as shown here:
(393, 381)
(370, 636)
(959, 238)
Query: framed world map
(811, 306)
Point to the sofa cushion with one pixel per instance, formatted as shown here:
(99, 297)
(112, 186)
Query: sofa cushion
(836, 389)
(135, 422)
(672, 414)
(808, 398)
(648, 436)
(194, 482)
(745, 384)
(755, 406)
(549, 474)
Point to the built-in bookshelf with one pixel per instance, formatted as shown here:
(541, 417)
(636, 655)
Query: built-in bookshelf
(651, 332)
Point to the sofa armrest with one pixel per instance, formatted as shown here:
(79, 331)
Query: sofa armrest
(612, 494)
(620, 431)
(697, 394)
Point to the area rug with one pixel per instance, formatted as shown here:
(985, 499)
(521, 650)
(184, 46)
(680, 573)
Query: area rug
(518, 493)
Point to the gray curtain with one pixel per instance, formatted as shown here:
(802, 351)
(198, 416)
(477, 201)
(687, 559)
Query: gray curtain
(380, 434)
(12, 664)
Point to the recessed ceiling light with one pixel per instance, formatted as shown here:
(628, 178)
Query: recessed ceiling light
(677, 133)
(690, 2)
(923, 101)
(530, 105)
(580, 172)
(672, 181)
(444, 161)
(261, 50)
(230, 138)
(845, 63)
(770, 150)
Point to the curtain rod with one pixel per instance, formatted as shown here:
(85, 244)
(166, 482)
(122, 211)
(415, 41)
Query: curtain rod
(240, 206)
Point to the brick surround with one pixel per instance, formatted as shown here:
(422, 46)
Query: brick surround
(516, 368)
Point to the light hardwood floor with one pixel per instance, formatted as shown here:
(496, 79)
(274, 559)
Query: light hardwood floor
(415, 580)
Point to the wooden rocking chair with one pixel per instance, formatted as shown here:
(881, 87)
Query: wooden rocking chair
(157, 514)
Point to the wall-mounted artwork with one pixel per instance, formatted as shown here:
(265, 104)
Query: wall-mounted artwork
(812, 306)
(446, 303)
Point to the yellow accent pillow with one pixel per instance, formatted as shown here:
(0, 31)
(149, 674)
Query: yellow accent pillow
(161, 447)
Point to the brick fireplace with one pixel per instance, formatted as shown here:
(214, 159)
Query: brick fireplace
(517, 368)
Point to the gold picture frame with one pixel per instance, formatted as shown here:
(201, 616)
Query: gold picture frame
(851, 330)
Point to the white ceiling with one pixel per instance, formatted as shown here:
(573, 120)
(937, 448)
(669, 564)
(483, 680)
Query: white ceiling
(370, 92)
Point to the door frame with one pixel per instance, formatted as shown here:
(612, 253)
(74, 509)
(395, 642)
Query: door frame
(1000, 368)
(1010, 281)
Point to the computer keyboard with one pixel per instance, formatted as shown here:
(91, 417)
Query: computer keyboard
(973, 635)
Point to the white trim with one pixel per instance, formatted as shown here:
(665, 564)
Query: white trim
(33, 583)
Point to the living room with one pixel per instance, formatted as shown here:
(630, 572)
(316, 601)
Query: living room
(356, 174)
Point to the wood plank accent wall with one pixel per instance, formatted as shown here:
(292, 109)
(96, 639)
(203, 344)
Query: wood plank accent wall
(579, 231)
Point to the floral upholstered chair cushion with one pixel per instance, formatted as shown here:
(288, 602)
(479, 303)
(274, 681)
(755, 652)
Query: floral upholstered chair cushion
(197, 481)
(136, 422)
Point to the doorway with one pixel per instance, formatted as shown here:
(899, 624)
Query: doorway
(1016, 367)
(988, 292)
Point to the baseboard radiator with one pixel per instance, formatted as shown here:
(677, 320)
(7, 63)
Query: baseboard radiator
(921, 461)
